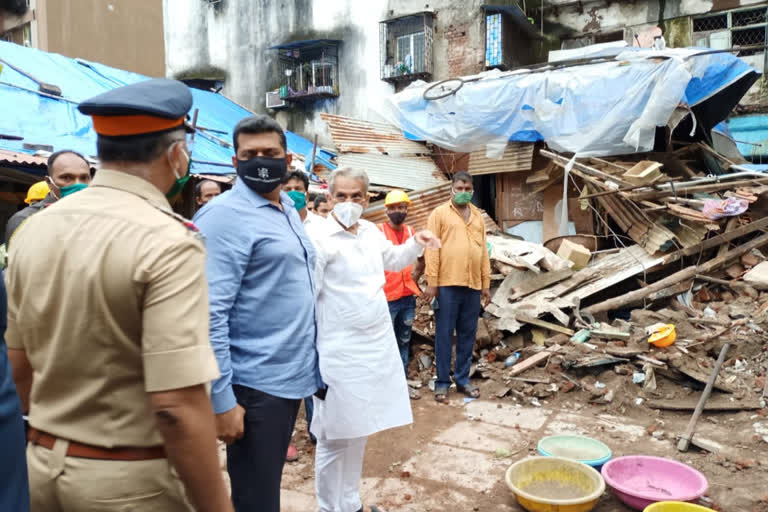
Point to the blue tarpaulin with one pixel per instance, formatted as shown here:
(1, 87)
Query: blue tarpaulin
(604, 108)
(751, 136)
(55, 121)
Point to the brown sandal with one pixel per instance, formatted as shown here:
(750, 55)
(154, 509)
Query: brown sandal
(470, 390)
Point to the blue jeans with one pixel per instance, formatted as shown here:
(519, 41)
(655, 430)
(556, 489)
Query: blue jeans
(458, 309)
(402, 311)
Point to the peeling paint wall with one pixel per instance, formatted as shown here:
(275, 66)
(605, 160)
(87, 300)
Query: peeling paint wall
(230, 39)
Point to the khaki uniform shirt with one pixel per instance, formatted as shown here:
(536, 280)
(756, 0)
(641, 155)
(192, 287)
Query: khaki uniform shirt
(108, 297)
(462, 259)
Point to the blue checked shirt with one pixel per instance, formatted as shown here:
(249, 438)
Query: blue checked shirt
(260, 268)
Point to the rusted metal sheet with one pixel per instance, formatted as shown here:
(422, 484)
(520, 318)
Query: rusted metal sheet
(358, 136)
(227, 179)
(518, 156)
(423, 202)
(409, 173)
(23, 159)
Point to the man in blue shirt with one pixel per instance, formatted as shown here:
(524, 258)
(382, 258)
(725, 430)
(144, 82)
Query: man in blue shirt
(14, 493)
(260, 273)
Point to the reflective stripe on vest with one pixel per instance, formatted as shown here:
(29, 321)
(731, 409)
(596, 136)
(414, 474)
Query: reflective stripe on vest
(398, 284)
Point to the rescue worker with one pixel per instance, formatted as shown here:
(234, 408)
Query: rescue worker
(113, 325)
(366, 389)
(400, 287)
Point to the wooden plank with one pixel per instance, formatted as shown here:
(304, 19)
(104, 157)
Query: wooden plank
(514, 278)
(720, 403)
(541, 281)
(729, 226)
(717, 240)
(532, 361)
(528, 319)
(689, 189)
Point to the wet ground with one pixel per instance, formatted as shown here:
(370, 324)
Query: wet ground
(454, 456)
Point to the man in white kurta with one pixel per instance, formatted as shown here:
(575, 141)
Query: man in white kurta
(358, 354)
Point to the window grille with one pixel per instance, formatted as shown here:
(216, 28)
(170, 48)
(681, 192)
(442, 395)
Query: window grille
(730, 29)
(405, 46)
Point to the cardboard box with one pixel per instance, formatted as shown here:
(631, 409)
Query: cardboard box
(576, 253)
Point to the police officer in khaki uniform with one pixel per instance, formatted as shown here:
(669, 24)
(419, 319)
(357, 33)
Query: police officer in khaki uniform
(108, 325)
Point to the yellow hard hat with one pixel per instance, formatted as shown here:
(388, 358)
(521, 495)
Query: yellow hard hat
(396, 197)
(37, 192)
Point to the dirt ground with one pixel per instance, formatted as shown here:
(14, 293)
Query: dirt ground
(454, 456)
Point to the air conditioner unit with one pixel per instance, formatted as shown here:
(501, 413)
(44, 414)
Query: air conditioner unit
(274, 100)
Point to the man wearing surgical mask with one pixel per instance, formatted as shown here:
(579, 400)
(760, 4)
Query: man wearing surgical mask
(68, 172)
(459, 277)
(360, 364)
(260, 267)
(296, 186)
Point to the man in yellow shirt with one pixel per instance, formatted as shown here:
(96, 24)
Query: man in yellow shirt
(459, 276)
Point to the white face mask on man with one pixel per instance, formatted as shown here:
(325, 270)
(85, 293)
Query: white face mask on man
(347, 213)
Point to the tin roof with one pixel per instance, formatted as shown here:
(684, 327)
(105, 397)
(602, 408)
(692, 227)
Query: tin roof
(518, 156)
(412, 173)
(358, 136)
(422, 204)
(22, 159)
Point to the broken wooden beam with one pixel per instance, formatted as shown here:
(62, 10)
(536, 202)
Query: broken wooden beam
(542, 280)
(563, 161)
(715, 404)
(532, 361)
(716, 241)
(528, 319)
(687, 273)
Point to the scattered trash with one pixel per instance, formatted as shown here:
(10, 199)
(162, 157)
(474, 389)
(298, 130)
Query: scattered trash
(512, 359)
(638, 378)
(599, 385)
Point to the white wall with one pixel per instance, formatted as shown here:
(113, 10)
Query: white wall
(235, 39)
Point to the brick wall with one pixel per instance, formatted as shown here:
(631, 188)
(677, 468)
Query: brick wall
(463, 58)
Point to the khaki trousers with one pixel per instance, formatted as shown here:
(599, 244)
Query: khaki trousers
(58, 483)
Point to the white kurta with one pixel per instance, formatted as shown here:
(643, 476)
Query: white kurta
(358, 354)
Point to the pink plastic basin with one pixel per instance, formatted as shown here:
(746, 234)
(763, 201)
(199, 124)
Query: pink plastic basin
(640, 480)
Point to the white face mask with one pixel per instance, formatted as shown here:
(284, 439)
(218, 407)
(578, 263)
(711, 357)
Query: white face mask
(347, 213)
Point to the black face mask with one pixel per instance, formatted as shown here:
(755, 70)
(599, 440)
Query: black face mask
(262, 175)
(397, 218)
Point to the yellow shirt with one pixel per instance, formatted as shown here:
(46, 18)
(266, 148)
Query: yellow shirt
(108, 297)
(463, 259)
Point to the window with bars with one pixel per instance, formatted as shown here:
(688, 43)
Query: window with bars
(306, 70)
(738, 28)
(406, 48)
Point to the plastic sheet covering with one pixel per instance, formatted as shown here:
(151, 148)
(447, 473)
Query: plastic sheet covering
(55, 121)
(592, 110)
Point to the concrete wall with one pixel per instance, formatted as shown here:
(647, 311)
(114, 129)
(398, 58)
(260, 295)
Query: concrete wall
(604, 15)
(230, 41)
(126, 34)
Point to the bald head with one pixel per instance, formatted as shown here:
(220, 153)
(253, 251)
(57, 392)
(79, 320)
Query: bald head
(67, 168)
(205, 191)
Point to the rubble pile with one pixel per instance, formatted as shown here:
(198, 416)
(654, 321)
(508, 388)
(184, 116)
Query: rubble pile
(678, 262)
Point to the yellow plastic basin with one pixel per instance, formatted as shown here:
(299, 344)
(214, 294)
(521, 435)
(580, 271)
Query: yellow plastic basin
(555, 484)
(676, 506)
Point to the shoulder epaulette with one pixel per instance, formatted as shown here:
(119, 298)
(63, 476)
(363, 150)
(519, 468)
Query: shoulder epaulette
(183, 220)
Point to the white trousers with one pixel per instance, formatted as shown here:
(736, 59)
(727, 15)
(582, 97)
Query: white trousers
(338, 470)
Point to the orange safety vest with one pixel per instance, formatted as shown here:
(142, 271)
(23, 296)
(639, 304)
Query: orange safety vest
(399, 284)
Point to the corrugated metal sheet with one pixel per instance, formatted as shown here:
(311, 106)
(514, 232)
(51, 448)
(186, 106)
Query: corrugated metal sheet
(358, 136)
(518, 156)
(412, 173)
(23, 159)
(422, 204)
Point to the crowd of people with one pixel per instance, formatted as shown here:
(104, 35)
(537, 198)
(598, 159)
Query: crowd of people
(137, 338)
